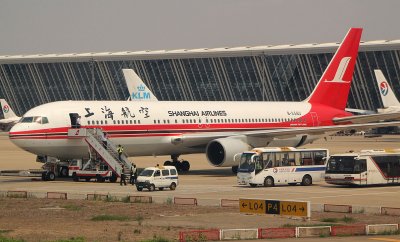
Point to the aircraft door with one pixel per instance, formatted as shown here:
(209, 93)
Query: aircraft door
(74, 120)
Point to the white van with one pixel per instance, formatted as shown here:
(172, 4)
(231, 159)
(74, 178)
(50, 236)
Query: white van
(157, 177)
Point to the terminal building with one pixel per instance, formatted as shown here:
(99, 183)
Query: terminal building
(262, 73)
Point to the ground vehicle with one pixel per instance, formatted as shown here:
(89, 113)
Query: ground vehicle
(92, 169)
(369, 167)
(270, 166)
(157, 177)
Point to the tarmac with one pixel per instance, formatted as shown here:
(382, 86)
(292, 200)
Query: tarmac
(209, 184)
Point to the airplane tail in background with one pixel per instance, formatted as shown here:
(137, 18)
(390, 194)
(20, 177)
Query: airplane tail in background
(387, 94)
(138, 91)
(7, 111)
(334, 86)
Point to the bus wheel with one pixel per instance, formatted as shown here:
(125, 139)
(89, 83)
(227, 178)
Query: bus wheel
(235, 169)
(307, 180)
(269, 182)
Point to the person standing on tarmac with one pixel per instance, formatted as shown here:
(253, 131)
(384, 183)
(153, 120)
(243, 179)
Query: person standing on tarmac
(133, 174)
(120, 149)
(122, 176)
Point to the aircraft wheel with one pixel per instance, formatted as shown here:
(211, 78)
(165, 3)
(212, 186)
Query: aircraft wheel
(167, 163)
(185, 165)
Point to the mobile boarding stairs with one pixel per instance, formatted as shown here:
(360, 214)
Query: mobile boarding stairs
(109, 154)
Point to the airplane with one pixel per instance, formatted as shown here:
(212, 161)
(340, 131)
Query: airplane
(389, 100)
(138, 91)
(220, 129)
(10, 118)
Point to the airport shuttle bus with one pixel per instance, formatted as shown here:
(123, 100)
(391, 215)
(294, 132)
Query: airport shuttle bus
(369, 167)
(286, 165)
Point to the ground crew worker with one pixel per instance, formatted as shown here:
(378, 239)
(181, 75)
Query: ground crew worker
(133, 174)
(122, 176)
(120, 149)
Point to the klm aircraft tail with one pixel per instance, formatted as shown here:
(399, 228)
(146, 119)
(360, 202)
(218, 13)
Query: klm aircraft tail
(138, 91)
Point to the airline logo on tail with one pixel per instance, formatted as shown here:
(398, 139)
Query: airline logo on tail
(384, 88)
(6, 109)
(338, 78)
(141, 93)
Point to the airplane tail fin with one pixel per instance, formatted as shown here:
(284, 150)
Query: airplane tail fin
(387, 94)
(7, 111)
(138, 91)
(334, 86)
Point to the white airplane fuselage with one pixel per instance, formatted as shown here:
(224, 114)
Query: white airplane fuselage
(152, 128)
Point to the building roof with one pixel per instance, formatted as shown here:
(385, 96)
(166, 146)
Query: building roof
(197, 53)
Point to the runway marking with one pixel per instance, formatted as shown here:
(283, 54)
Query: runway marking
(385, 239)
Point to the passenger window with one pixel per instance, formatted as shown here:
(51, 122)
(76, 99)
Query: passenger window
(173, 172)
(165, 172)
(130, 121)
(118, 121)
(114, 121)
(157, 173)
(138, 121)
(176, 121)
(97, 122)
(101, 121)
(105, 122)
(134, 121)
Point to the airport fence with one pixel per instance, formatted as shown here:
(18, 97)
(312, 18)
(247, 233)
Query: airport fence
(229, 203)
(185, 201)
(276, 233)
(200, 235)
(348, 230)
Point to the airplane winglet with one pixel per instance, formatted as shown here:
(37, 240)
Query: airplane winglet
(138, 91)
(386, 92)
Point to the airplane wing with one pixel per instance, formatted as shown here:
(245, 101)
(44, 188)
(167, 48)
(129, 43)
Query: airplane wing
(358, 119)
(138, 91)
(270, 134)
(359, 111)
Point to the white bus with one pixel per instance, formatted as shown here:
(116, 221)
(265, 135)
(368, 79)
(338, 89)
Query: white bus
(285, 165)
(369, 167)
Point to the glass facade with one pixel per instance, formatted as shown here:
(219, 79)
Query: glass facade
(256, 77)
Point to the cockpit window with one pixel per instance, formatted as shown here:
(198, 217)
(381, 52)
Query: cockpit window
(35, 119)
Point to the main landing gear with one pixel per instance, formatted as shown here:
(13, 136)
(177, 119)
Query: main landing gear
(183, 165)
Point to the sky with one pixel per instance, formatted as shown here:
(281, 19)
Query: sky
(81, 26)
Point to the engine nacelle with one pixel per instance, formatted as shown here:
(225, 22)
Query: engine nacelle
(220, 152)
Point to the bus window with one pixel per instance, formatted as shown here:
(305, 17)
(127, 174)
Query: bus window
(306, 159)
(389, 165)
(319, 157)
(360, 166)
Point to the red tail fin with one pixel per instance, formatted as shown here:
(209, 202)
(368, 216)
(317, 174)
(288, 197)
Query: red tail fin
(334, 86)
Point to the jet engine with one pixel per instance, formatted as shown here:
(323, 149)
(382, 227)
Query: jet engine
(220, 152)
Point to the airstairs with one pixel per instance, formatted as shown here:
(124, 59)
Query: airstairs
(109, 154)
